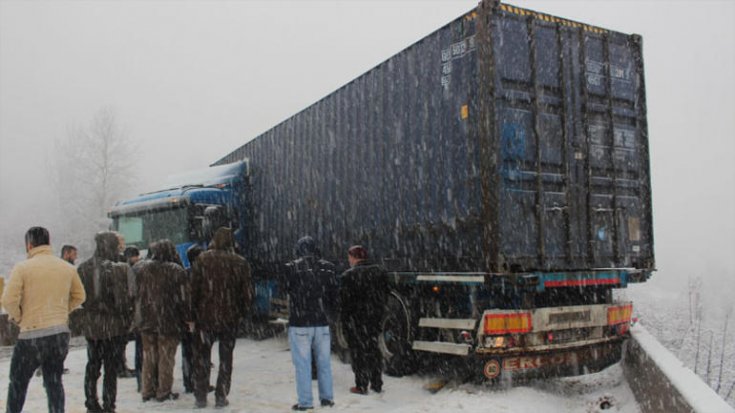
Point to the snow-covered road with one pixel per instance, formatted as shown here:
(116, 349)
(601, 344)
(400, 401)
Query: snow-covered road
(263, 382)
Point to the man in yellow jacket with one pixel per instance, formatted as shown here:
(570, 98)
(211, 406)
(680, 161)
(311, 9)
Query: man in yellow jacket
(40, 294)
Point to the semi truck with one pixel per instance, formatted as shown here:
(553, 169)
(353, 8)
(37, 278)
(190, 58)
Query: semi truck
(498, 169)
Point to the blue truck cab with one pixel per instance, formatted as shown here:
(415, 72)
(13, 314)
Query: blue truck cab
(188, 210)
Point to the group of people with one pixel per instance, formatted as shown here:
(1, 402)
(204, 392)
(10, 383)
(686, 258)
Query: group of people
(112, 294)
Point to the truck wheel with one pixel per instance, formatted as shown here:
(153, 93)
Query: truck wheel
(396, 337)
(339, 343)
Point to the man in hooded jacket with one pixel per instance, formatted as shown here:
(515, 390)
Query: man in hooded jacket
(311, 284)
(162, 304)
(104, 319)
(221, 296)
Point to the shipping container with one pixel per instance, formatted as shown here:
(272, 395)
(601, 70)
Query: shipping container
(506, 141)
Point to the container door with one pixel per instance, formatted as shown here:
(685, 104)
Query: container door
(532, 109)
(572, 187)
(614, 151)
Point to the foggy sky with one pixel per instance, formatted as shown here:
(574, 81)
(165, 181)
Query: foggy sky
(193, 80)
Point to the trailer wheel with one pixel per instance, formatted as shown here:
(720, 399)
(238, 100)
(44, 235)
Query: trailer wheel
(395, 339)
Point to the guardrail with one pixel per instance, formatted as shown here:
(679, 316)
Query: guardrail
(661, 383)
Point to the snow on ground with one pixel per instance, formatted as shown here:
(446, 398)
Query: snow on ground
(263, 382)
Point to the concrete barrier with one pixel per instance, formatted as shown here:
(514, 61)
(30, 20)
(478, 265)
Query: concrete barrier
(661, 383)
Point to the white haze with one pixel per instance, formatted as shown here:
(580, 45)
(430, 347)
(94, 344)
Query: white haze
(193, 80)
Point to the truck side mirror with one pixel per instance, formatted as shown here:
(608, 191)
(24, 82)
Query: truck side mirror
(197, 228)
(214, 217)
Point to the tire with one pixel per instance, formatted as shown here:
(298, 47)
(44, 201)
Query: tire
(339, 343)
(396, 337)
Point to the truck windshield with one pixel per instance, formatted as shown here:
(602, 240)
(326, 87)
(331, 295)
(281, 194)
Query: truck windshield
(141, 229)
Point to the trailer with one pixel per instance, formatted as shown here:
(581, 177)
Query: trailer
(498, 168)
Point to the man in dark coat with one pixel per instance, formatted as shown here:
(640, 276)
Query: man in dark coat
(132, 256)
(311, 284)
(363, 293)
(69, 254)
(162, 302)
(104, 320)
(187, 338)
(221, 296)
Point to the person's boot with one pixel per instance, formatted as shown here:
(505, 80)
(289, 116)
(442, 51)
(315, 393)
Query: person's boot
(126, 373)
(170, 396)
(93, 407)
(359, 390)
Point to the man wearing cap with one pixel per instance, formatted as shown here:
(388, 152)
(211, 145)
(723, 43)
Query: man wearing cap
(363, 292)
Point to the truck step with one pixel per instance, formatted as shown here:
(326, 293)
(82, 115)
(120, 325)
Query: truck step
(442, 347)
(451, 323)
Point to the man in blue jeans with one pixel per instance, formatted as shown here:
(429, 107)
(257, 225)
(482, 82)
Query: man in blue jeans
(41, 293)
(311, 285)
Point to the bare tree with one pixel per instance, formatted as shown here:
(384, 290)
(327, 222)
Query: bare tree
(722, 350)
(709, 356)
(695, 314)
(699, 342)
(91, 168)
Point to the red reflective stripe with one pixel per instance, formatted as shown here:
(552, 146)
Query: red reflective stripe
(577, 283)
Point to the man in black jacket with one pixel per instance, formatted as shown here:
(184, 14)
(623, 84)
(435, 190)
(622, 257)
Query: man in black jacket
(311, 284)
(363, 292)
(104, 320)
